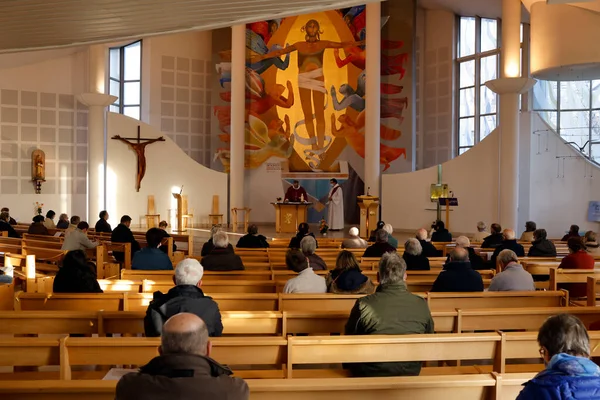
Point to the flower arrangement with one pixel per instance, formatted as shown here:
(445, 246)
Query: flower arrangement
(323, 227)
(38, 208)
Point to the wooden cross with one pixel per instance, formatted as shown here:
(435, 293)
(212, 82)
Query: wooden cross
(139, 147)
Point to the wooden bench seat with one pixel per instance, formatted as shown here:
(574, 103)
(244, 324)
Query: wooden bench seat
(451, 301)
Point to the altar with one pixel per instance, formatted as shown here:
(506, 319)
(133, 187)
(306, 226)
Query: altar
(289, 215)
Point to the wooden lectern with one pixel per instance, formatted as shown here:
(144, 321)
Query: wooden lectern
(179, 214)
(289, 215)
(448, 202)
(369, 206)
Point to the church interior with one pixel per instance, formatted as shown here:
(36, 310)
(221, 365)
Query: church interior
(264, 140)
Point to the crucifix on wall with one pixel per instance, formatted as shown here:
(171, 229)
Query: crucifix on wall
(138, 144)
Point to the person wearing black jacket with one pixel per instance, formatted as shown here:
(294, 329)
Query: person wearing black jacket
(5, 225)
(221, 258)
(102, 225)
(509, 243)
(429, 249)
(413, 255)
(76, 275)
(475, 259)
(186, 296)
(441, 234)
(380, 247)
(495, 239)
(122, 234)
(11, 220)
(373, 237)
(252, 240)
(209, 246)
(162, 225)
(457, 275)
(303, 230)
(541, 247)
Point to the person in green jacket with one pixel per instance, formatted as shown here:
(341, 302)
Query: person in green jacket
(391, 310)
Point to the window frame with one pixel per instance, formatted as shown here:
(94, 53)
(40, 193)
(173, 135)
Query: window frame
(119, 103)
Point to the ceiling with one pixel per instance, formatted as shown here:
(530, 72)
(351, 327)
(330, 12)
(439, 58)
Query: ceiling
(482, 8)
(44, 24)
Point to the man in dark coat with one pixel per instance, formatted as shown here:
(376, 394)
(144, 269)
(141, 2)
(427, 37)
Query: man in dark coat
(441, 234)
(429, 249)
(495, 239)
(541, 246)
(122, 234)
(102, 226)
(11, 220)
(509, 243)
(475, 259)
(186, 296)
(457, 275)
(252, 240)
(184, 369)
(381, 245)
(221, 258)
(5, 225)
(413, 256)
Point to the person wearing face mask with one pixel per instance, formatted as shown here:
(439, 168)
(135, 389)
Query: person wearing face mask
(335, 215)
(296, 193)
(151, 257)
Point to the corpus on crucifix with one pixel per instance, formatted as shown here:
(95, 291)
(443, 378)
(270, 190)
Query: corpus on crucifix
(138, 145)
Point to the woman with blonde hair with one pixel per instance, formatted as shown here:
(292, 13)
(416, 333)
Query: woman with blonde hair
(347, 277)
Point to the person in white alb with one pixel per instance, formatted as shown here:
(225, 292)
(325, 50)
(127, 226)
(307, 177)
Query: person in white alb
(335, 215)
(306, 281)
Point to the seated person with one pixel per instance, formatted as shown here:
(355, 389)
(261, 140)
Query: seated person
(186, 296)
(308, 245)
(569, 373)
(209, 246)
(306, 281)
(184, 369)
(76, 275)
(380, 247)
(347, 278)
(252, 240)
(441, 234)
(102, 226)
(5, 225)
(391, 240)
(373, 237)
(38, 227)
(573, 232)
(577, 258)
(221, 258)
(481, 233)
(475, 259)
(541, 247)
(303, 230)
(391, 310)
(11, 220)
(151, 258)
(513, 276)
(78, 239)
(163, 225)
(354, 241)
(63, 222)
(429, 249)
(527, 236)
(495, 239)
(122, 234)
(591, 244)
(509, 243)
(49, 220)
(457, 275)
(413, 256)
(5, 278)
(75, 220)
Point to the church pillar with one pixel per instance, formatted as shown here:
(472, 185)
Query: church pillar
(238, 116)
(97, 102)
(372, 99)
(509, 86)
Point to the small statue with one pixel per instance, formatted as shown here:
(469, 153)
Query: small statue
(38, 169)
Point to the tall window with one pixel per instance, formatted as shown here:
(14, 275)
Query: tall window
(478, 58)
(572, 108)
(125, 71)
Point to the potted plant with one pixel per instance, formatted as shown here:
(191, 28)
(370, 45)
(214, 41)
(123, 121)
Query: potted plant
(323, 227)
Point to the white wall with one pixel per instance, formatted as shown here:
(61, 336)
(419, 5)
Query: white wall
(168, 167)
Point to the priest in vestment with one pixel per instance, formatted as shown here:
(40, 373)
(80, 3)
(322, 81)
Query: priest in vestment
(296, 193)
(335, 215)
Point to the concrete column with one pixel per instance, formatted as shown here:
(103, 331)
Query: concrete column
(372, 98)
(97, 102)
(509, 86)
(238, 112)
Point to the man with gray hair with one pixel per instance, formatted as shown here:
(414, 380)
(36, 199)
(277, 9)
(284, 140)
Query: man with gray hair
(354, 242)
(429, 249)
(391, 310)
(184, 369)
(186, 296)
(509, 242)
(475, 259)
(308, 246)
(513, 276)
(221, 258)
(413, 256)
(481, 233)
(457, 275)
(381, 245)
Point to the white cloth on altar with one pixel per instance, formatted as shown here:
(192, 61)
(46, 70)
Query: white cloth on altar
(335, 214)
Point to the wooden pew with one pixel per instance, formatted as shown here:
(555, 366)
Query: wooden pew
(508, 386)
(559, 275)
(450, 301)
(70, 302)
(226, 301)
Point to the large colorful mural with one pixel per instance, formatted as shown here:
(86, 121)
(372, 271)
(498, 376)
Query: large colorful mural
(305, 92)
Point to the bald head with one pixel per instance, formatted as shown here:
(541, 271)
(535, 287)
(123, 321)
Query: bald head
(421, 234)
(185, 333)
(459, 254)
(509, 234)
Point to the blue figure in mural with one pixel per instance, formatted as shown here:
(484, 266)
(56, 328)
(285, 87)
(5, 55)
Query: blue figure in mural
(352, 98)
(255, 43)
